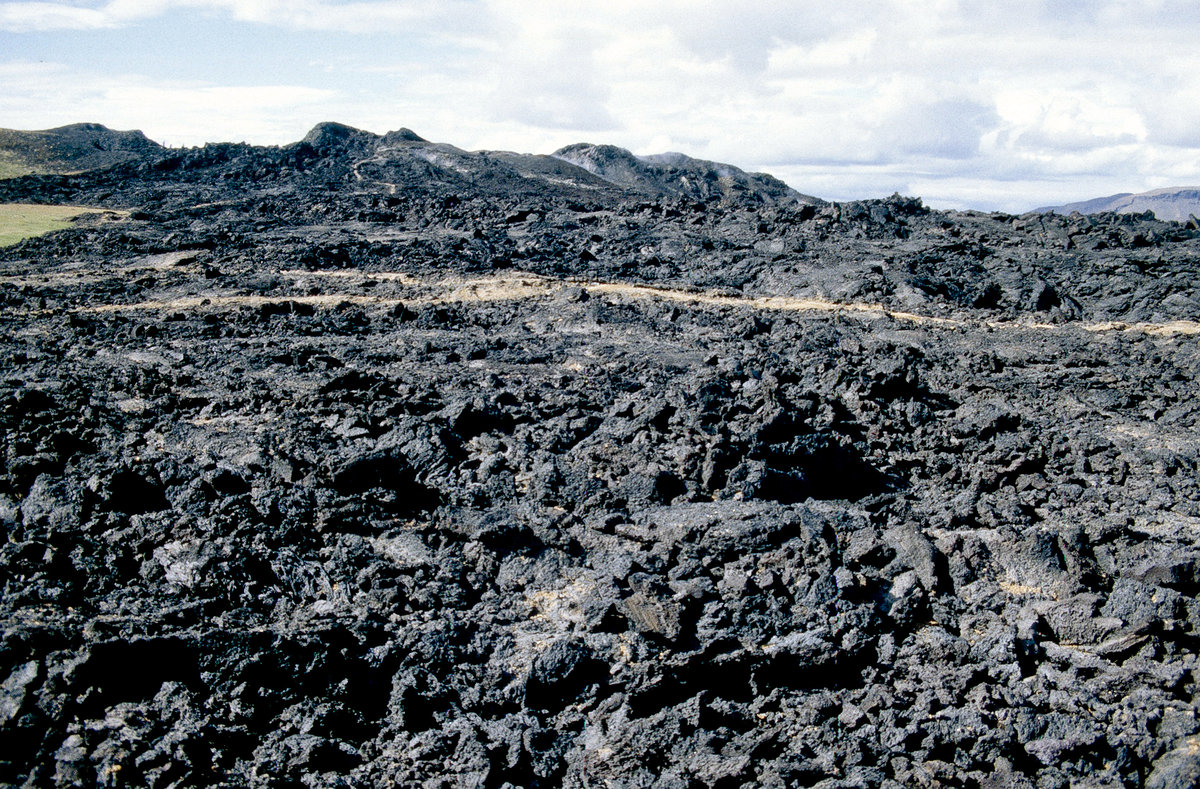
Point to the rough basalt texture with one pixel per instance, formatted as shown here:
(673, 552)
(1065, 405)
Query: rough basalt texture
(339, 466)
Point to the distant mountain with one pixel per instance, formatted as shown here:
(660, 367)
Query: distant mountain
(68, 149)
(1176, 203)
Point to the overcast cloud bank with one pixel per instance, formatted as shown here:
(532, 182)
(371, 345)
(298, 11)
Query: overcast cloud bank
(967, 104)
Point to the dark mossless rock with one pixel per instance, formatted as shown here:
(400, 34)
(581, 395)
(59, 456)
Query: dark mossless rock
(1178, 768)
(369, 461)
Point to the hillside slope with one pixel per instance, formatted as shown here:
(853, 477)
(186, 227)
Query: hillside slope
(677, 174)
(74, 148)
(1176, 204)
(397, 155)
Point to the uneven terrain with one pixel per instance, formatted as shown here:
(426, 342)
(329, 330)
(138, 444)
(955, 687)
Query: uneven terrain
(367, 461)
(1180, 203)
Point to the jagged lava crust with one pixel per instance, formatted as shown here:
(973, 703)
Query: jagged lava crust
(369, 461)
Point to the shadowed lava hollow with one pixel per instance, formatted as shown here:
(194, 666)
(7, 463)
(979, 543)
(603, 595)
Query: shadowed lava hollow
(367, 461)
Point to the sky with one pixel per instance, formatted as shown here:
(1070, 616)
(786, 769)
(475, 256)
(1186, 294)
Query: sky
(994, 105)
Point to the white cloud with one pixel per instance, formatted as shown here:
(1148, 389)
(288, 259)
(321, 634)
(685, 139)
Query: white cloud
(357, 17)
(831, 54)
(944, 128)
(871, 94)
(182, 112)
(30, 17)
(550, 81)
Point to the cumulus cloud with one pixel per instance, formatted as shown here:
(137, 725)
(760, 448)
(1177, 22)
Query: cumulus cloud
(182, 112)
(29, 17)
(366, 16)
(551, 81)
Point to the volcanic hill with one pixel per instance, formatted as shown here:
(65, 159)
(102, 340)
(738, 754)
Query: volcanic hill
(74, 148)
(369, 461)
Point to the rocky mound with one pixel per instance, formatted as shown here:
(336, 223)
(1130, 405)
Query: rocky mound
(74, 148)
(369, 461)
(402, 156)
(677, 175)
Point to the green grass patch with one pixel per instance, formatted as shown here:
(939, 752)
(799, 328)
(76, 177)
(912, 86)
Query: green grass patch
(19, 221)
(13, 166)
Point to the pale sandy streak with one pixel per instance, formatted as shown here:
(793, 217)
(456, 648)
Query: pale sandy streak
(86, 276)
(529, 286)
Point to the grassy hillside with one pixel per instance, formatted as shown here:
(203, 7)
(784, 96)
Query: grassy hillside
(19, 221)
(69, 149)
(12, 165)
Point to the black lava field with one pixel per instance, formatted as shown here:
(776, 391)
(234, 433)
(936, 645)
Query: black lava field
(370, 462)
